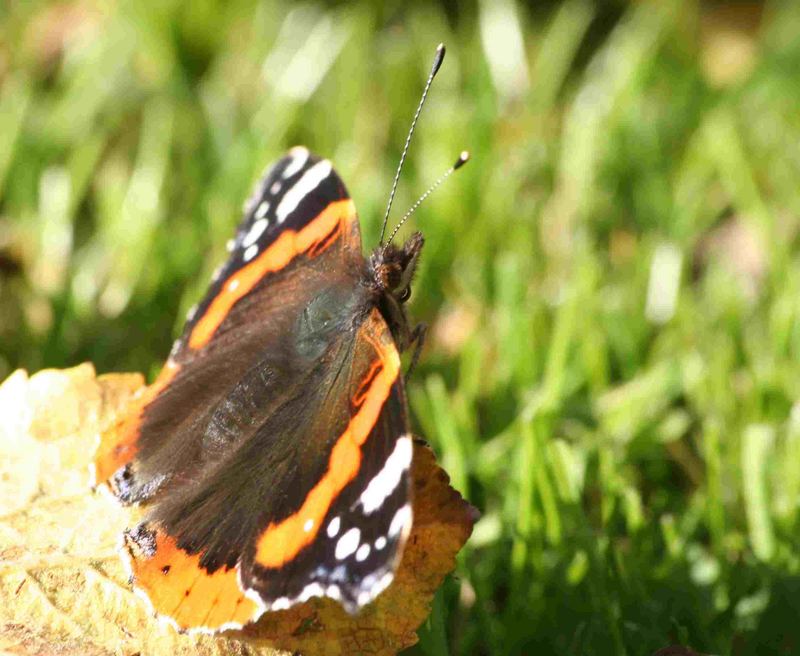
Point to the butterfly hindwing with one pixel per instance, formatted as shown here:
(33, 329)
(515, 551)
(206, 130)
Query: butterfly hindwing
(354, 520)
(315, 502)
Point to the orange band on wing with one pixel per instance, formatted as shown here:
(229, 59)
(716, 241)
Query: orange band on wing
(179, 588)
(118, 444)
(287, 246)
(281, 542)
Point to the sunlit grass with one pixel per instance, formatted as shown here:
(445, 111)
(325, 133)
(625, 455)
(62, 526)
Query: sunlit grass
(612, 283)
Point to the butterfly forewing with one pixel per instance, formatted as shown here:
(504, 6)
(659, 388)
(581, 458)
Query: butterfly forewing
(251, 303)
(300, 205)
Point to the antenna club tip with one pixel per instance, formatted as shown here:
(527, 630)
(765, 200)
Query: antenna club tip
(463, 158)
(438, 59)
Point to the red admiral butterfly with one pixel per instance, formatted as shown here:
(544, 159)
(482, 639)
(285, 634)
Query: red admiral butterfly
(273, 451)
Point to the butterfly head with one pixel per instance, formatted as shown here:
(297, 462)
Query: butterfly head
(393, 267)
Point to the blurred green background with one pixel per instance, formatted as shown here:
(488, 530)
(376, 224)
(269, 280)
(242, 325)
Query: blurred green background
(613, 283)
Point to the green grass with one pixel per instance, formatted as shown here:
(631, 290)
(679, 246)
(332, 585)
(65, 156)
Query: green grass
(636, 460)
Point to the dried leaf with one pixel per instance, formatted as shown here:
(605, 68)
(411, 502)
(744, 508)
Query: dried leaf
(62, 586)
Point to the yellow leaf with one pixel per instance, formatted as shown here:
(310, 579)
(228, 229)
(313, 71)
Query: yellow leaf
(62, 585)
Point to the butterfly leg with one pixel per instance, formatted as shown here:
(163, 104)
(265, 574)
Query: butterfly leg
(417, 339)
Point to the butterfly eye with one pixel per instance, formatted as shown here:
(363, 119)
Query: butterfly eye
(404, 295)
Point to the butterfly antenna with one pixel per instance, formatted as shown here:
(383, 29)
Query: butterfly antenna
(463, 158)
(437, 62)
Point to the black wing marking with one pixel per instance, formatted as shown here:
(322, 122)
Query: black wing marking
(292, 193)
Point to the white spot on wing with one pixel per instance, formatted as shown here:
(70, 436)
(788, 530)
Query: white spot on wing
(262, 210)
(401, 519)
(333, 592)
(281, 603)
(388, 478)
(362, 553)
(250, 253)
(311, 180)
(256, 230)
(299, 159)
(347, 544)
(374, 588)
(311, 590)
(380, 543)
(275, 188)
(384, 582)
(252, 595)
(333, 527)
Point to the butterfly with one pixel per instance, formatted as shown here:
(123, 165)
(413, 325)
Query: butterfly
(272, 454)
